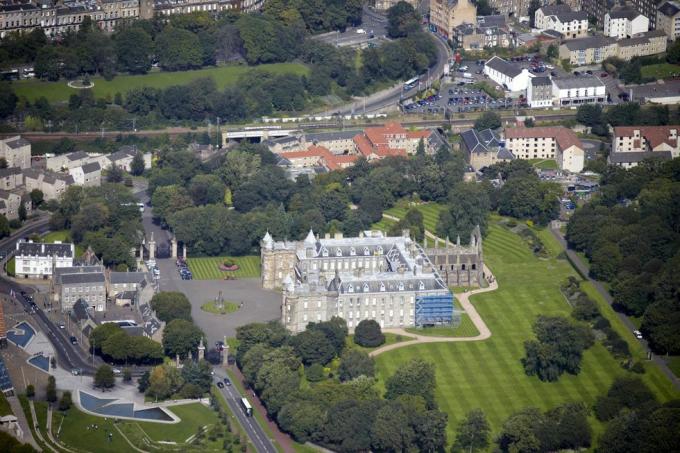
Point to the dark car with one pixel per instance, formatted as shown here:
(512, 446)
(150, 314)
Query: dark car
(576, 73)
(220, 385)
(73, 340)
(589, 72)
(227, 381)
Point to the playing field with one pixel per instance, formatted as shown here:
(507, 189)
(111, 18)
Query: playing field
(660, 71)
(208, 268)
(223, 76)
(488, 374)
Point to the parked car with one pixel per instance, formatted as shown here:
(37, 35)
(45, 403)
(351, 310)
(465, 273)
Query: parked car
(76, 371)
(61, 325)
(220, 385)
(73, 340)
(637, 334)
(576, 73)
(227, 381)
(116, 371)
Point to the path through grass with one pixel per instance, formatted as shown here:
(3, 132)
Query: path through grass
(488, 374)
(207, 268)
(223, 75)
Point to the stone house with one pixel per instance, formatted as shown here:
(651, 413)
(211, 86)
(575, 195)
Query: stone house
(557, 142)
(11, 178)
(484, 148)
(633, 144)
(16, 151)
(9, 204)
(445, 15)
(87, 175)
(51, 184)
(668, 19)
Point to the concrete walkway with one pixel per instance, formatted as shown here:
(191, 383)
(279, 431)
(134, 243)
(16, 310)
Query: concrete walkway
(464, 299)
(18, 411)
(37, 427)
(49, 431)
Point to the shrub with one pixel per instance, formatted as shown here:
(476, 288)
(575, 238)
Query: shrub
(368, 334)
(65, 401)
(638, 368)
(585, 309)
(191, 391)
(601, 323)
(314, 372)
(30, 391)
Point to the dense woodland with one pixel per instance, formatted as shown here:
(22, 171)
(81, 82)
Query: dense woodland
(631, 235)
(280, 34)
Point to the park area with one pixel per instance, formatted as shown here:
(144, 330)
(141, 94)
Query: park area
(660, 71)
(224, 76)
(208, 268)
(488, 374)
(430, 213)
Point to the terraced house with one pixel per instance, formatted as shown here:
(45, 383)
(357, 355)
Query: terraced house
(633, 144)
(388, 279)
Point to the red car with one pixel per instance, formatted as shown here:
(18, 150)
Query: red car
(604, 74)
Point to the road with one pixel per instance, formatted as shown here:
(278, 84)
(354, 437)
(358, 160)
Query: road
(610, 300)
(255, 432)
(371, 22)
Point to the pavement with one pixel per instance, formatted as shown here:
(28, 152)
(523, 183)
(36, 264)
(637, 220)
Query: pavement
(18, 411)
(583, 268)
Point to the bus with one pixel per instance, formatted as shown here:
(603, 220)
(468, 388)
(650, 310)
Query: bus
(247, 408)
(411, 83)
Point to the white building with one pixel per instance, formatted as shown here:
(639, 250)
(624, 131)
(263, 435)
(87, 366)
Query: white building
(16, 151)
(508, 75)
(539, 92)
(624, 23)
(542, 14)
(579, 90)
(36, 259)
(87, 175)
(558, 143)
(633, 144)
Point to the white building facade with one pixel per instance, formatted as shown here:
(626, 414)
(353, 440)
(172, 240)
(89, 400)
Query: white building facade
(579, 90)
(506, 74)
(37, 259)
(625, 23)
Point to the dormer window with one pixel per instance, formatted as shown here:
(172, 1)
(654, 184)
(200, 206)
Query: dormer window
(352, 251)
(365, 287)
(421, 286)
(401, 286)
(382, 286)
(366, 251)
(350, 288)
(324, 251)
(338, 252)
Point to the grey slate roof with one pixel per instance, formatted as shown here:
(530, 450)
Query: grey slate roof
(41, 249)
(126, 277)
(123, 153)
(76, 279)
(634, 157)
(496, 20)
(669, 9)
(589, 42)
(480, 142)
(624, 13)
(551, 10)
(572, 16)
(328, 136)
(77, 155)
(17, 143)
(60, 271)
(4, 172)
(537, 81)
(578, 82)
(504, 67)
(91, 167)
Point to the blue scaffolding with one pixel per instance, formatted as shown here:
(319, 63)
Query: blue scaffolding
(436, 309)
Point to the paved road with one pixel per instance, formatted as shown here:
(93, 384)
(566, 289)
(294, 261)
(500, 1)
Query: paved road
(257, 435)
(583, 268)
(37, 226)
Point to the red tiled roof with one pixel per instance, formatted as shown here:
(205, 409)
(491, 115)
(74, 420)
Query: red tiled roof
(363, 145)
(655, 135)
(565, 137)
(384, 151)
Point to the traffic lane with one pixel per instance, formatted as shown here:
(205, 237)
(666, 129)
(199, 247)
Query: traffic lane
(253, 429)
(7, 245)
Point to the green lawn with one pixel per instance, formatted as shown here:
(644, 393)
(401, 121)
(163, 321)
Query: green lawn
(430, 214)
(660, 71)
(674, 365)
(208, 268)
(5, 408)
(211, 307)
(61, 235)
(544, 164)
(77, 432)
(488, 374)
(193, 415)
(390, 338)
(10, 267)
(223, 76)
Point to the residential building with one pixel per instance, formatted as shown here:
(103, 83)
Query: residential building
(387, 279)
(590, 50)
(203, 152)
(557, 142)
(568, 91)
(571, 24)
(467, 37)
(445, 15)
(16, 151)
(123, 157)
(172, 7)
(75, 284)
(598, 8)
(36, 259)
(540, 92)
(633, 144)
(484, 148)
(649, 43)
(10, 204)
(514, 8)
(624, 23)
(87, 175)
(648, 9)
(126, 281)
(542, 14)
(490, 31)
(510, 76)
(51, 184)
(68, 161)
(384, 5)
(11, 178)
(668, 19)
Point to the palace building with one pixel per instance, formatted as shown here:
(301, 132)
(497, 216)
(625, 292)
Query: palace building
(390, 279)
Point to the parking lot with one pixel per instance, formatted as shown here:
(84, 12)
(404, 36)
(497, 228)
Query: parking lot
(459, 99)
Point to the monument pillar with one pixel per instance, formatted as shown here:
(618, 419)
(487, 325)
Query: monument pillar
(201, 350)
(152, 248)
(225, 353)
(184, 252)
(174, 247)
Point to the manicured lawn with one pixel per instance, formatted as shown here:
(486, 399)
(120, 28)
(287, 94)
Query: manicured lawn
(208, 268)
(192, 415)
(10, 267)
(660, 71)
(489, 374)
(5, 408)
(674, 365)
(61, 235)
(430, 214)
(223, 75)
(465, 329)
(544, 164)
(390, 338)
(77, 432)
(211, 307)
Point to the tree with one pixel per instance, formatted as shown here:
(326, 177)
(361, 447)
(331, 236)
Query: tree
(553, 52)
(134, 50)
(4, 226)
(8, 101)
(625, 392)
(368, 334)
(181, 337)
(335, 330)
(178, 49)
(304, 420)
(137, 164)
(114, 174)
(534, 5)
(420, 150)
(127, 375)
(355, 363)
(391, 429)
(37, 197)
(198, 374)
(30, 391)
(164, 380)
(66, 401)
(673, 52)
(417, 378)
(170, 305)
(206, 189)
(473, 432)
(51, 390)
(488, 120)
(22, 212)
(143, 382)
(468, 207)
(519, 432)
(104, 377)
(167, 200)
(313, 347)
(402, 20)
